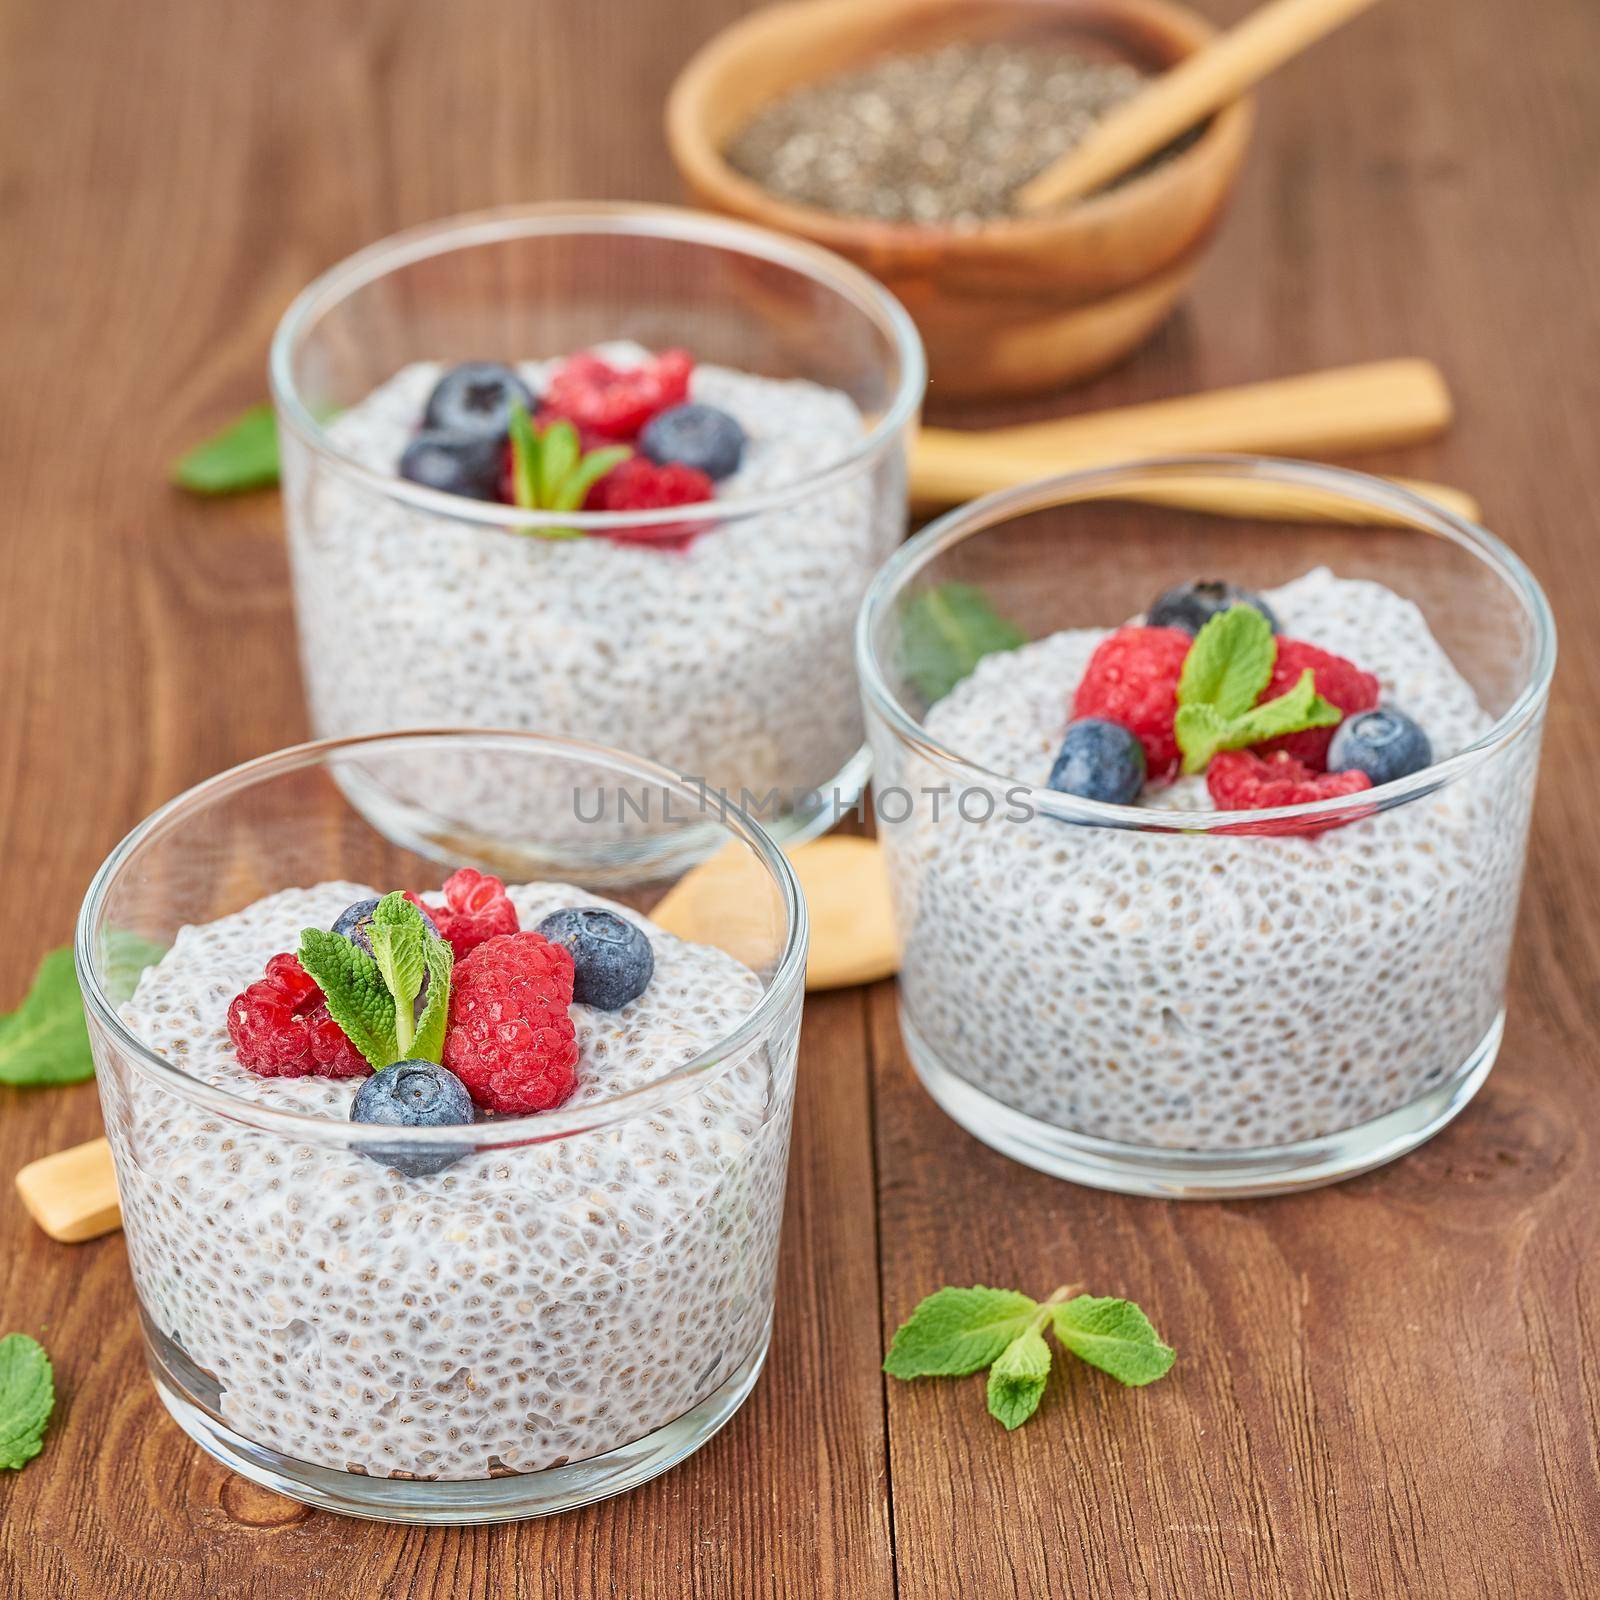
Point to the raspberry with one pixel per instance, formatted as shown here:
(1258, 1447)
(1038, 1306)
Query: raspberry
(1240, 780)
(1338, 680)
(511, 1039)
(475, 908)
(280, 1028)
(638, 484)
(1132, 679)
(616, 401)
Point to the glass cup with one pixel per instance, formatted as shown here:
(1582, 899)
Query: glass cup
(1198, 1002)
(715, 636)
(563, 1306)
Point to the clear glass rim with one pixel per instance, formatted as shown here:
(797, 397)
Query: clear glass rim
(556, 219)
(1376, 494)
(538, 1128)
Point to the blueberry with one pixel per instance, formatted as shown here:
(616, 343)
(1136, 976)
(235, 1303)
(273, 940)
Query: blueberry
(1192, 605)
(697, 436)
(413, 1094)
(354, 921)
(1099, 760)
(454, 463)
(613, 958)
(474, 401)
(1385, 744)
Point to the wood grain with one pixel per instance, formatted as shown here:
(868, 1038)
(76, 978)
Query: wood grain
(1388, 1388)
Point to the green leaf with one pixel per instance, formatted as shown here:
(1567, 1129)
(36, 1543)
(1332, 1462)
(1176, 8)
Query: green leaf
(559, 453)
(1114, 1335)
(586, 474)
(1298, 708)
(956, 1331)
(1201, 731)
(27, 1397)
(358, 999)
(946, 632)
(524, 458)
(1017, 1379)
(45, 1040)
(429, 1042)
(124, 957)
(1229, 663)
(397, 935)
(243, 456)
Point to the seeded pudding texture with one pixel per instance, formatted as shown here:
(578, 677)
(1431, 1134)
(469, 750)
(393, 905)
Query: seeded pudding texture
(1212, 992)
(728, 661)
(524, 1308)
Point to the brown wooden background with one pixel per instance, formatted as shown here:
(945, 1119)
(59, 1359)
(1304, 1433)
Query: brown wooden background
(1386, 1388)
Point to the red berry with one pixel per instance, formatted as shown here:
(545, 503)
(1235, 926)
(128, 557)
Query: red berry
(511, 1039)
(1132, 679)
(638, 484)
(476, 907)
(280, 1028)
(1338, 680)
(1241, 780)
(616, 402)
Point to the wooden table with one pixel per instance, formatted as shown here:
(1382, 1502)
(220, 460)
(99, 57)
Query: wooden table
(1385, 1388)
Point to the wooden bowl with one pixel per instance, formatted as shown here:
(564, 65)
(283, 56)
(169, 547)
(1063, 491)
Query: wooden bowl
(1005, 307)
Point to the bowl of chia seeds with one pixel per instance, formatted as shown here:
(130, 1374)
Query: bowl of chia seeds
(899, 134)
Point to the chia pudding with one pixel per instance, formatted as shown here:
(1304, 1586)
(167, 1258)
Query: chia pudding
(723, 649)
(524, 1307)
(1203, 990)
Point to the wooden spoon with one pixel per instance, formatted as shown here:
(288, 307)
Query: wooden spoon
(1177, 100)
(1344, 410)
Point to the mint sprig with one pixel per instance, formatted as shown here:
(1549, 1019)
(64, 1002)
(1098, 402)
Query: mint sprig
(244, 455)
(27, 1397)
(946, 632)
(1224, 673)
(957, 1331)
(550, 470)
(373, 998)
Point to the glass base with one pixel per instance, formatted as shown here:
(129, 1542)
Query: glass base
(460, 1502)
(1199, 1174)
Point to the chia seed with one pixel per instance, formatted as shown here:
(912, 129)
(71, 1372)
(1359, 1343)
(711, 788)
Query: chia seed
(946, 135)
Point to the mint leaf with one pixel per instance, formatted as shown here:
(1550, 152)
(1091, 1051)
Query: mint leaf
(1298, 708)
(558, 455)
(124, 958)
(429, 1042)
(45, 1040)
(956, 1331)
(428, 1045)
(358, 999)
(524, 458)
(397, 935)
(946, 632)
(586, 474)
(244, 455)
(1229, 663)
(1114, 1335)
(27, 1397)
(1017, 1379)
(1228, 666)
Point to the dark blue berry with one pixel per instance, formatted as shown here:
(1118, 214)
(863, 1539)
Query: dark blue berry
(413, 1094)
(1385, 744)
(1099, 760)
(1192, 605)
(695, 436)
(474, 400)
(613, 958)
(454, 463)
(354, 921)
